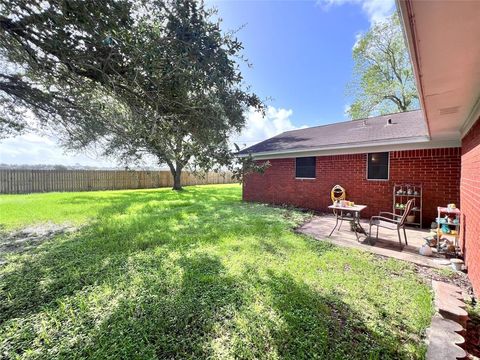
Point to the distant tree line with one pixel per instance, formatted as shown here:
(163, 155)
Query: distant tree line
(72, 167)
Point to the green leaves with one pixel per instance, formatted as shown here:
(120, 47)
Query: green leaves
(383, 76)
(133, 78)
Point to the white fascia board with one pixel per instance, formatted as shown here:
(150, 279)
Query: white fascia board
(407, 21)
(471, 119)
(358, 149)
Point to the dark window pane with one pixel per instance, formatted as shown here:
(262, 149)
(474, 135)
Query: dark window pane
(377, 166)
(305, 167)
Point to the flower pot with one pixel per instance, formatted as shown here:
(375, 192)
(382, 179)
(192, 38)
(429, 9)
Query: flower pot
(425, 250)
(457, 264)
(411, 218)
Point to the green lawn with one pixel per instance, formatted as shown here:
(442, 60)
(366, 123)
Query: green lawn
(197, 274)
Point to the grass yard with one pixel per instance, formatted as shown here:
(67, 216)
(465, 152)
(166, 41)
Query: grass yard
(197, 274)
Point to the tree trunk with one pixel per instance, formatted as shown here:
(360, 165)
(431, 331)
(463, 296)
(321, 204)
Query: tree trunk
(176, 171)
(177, 183)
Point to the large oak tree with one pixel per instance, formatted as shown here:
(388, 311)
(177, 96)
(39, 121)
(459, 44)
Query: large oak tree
(134, 77)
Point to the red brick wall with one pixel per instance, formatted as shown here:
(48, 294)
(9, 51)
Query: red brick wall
(470, 199)
(437, 170)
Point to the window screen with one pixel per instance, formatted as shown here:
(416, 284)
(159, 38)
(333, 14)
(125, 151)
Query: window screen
(377, 168)
(305, 167)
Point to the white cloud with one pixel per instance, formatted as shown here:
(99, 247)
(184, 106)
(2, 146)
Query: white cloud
(358, 37)
(376, 10)
(34, 149)
(259, 127)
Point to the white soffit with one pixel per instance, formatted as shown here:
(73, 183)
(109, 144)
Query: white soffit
(444, 42)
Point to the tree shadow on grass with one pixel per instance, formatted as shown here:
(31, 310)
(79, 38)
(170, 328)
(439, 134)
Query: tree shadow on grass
(101, 252)
(114, 253)
(140, 282)
(169, 325)
(211, 315)
(321, 325)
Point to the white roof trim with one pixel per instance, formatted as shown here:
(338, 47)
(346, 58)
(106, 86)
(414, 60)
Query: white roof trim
(411, 23)
(471, 119)
(404, 8)
(358, 150)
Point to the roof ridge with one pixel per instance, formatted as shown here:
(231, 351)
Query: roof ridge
(348, 121)
(410, 125)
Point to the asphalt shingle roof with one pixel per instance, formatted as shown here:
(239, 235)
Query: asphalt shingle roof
(403, 127)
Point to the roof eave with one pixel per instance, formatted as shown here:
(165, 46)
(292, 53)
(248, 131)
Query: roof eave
(408, 25)
(409, 140)
(436, 93)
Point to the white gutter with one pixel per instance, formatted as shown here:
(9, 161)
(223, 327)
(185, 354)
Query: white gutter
(471, 119)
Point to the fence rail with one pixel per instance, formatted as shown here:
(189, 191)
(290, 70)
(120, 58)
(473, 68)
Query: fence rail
(32, 181)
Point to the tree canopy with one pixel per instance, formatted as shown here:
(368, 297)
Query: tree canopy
(383, 76)
(135, 77)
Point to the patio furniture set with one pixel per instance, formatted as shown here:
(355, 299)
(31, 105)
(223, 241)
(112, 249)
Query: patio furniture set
(396, 220)
(386, 220)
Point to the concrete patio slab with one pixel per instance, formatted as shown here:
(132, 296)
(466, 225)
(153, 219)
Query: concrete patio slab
(387, 245)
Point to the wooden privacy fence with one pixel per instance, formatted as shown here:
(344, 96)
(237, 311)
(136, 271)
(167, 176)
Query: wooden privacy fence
(32, 181)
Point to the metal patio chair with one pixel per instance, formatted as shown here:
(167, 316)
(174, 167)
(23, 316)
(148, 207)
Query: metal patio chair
(392, 221)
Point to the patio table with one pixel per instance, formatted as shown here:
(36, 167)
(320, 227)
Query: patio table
(341, 212)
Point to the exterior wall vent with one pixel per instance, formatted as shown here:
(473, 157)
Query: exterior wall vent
(449, 110)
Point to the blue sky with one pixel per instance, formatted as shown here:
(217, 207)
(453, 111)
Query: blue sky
(301, 53)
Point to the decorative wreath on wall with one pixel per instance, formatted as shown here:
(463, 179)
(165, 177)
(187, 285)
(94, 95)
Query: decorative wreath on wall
(338, 193)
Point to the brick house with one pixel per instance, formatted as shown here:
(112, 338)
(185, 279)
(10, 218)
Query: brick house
(367, 157)
(437, 147)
